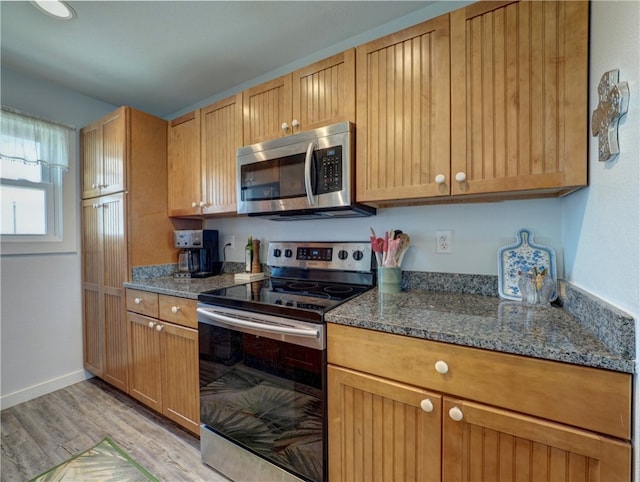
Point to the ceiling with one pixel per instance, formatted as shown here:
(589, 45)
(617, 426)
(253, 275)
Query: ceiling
(164, 56)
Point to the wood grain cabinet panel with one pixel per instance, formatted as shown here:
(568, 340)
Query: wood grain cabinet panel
(378, 430)
(164, 357)
(180, 378)
(265, 108)
(124, 224)
(221, 136)
(142, 302)
(493, 444)
(320, 94)
(519, 73)
(181, 311)
(323, 93)
(403, 130)
(183, 165)
(504, 417)
(145, 371)
(103, 170)
(104, 265)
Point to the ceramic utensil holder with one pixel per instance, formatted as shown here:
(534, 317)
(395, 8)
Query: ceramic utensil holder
(389, 279)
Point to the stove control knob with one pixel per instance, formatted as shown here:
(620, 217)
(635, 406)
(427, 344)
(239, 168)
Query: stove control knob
(288, 253)
(289, 303)
(358, 255)
(277, 253)
(342, 254)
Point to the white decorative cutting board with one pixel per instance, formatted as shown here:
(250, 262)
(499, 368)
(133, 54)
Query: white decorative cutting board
(522, 257)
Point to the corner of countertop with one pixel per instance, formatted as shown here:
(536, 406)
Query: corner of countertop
(615, 328)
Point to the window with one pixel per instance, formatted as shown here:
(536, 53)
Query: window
(34, 156)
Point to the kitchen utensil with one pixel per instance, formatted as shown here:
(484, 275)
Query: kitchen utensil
(391, 259)
(405, 241)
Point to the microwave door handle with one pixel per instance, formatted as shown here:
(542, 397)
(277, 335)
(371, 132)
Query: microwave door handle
(212, 315)
(307, 173)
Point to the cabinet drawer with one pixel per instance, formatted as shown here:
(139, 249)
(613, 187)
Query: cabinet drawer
(143, 302)
(591, 398)
(181, 311)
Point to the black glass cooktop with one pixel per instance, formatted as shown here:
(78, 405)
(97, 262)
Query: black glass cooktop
(298, 299)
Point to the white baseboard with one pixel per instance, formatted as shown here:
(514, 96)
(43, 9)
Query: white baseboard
(43, 388)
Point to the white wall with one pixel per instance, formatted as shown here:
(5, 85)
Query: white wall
(479, 230)
(601, 225)
(41, 304)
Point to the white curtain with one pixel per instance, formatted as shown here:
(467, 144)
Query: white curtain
(28, 139)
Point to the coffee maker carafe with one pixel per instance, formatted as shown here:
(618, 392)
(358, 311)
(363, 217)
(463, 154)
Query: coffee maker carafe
(198, 256)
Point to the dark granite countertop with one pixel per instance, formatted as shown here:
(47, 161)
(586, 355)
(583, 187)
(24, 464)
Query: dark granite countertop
(460, 309)
(482, 322)
(185, 288)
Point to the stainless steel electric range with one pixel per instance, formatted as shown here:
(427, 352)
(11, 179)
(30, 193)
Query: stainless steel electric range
(263, 361)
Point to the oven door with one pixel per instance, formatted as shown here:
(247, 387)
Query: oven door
(262, 395)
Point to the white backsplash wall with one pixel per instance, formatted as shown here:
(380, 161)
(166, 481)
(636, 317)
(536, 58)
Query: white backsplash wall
(479, 230)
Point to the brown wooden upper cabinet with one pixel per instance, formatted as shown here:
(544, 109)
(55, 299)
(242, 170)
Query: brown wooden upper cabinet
(103, 166)
(183, 165)
(202, 159)
(221, 131)
(320, 94)
(519, 85)
(403, 121)
(506, 118)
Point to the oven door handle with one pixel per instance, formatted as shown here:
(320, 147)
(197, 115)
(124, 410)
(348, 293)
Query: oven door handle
(212, 315)
(307, 174)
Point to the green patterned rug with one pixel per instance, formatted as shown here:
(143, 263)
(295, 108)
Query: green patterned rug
(106, 462)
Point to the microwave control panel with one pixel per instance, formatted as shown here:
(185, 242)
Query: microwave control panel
(329, 170)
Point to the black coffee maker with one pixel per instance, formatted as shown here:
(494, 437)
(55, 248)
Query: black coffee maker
(198, 256)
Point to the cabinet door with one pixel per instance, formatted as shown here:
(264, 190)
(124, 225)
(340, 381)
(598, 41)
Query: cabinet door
(519, 78)
(403, 132)
(324, 93)
(114, 273)
(145, 371)
(221, 137)
(91, 147)
(103, 155)
(114, 129)
(93, 320)
(492, 444)
(265, 108)
(378, 430)
(183, 165)
(180, 378)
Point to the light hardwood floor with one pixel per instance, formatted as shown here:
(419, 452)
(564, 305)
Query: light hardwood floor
(43, 432)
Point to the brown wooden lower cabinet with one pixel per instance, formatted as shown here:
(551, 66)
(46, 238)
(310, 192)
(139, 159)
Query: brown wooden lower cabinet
(381, 429)
(163, 356)
(493, 444)
(378, 430)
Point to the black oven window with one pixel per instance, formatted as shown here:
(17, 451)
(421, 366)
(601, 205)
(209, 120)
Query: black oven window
(265, 395)
(281, 178)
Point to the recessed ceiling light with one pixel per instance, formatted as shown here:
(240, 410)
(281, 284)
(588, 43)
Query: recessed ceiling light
(55, 8)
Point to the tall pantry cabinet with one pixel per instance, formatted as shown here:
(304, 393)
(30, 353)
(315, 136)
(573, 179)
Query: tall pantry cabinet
(124, 224)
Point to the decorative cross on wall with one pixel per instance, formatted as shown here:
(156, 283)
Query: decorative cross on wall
(613, 104)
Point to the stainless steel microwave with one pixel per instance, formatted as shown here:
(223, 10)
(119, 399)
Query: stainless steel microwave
(303, 176)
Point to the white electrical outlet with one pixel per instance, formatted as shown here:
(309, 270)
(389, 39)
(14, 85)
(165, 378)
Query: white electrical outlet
(230, 240)
(444, 242)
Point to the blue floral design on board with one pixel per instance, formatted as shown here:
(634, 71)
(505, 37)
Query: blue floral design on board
(522, 257)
